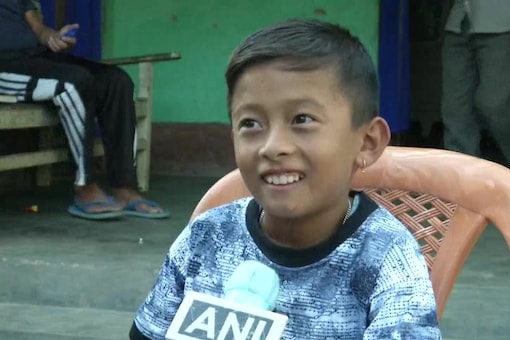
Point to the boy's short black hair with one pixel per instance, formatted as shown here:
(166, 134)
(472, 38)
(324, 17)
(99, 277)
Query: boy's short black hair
(311, 45)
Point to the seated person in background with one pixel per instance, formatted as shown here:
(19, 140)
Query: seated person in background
(303, 102)
(34, 67)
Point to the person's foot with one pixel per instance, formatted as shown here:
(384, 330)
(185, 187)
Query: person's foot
(125, 196)
(92, 193)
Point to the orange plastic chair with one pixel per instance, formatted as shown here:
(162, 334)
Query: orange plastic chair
(446, 199)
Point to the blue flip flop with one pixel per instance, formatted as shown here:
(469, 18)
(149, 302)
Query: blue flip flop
(130, 210)
(81, 209)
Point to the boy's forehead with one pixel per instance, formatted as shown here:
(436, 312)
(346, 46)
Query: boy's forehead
(291, 65)
(275, 80)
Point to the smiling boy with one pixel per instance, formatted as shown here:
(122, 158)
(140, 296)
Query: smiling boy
(303, 103)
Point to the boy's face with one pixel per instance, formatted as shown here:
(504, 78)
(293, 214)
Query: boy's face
(293, 139)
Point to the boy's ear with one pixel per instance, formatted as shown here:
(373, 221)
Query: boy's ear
(376, 136)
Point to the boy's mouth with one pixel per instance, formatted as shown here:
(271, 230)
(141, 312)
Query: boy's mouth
(282, 179)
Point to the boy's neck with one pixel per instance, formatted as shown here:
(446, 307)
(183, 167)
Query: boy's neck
(305, 232)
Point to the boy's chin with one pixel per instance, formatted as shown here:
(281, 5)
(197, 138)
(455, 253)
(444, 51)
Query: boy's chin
(285, 212)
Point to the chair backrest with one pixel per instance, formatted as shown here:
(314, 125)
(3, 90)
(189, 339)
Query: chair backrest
(446, 199)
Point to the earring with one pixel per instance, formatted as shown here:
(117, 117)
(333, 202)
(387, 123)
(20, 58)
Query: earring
(363, 165)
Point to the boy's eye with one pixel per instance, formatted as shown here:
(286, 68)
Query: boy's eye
(248, 124)
(303, 118)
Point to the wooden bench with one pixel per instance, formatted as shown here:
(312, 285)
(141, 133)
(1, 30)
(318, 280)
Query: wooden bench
(44, 116)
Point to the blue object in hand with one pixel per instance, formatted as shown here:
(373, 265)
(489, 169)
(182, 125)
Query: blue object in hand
(249, 297)
(71, 33)
(253, 284)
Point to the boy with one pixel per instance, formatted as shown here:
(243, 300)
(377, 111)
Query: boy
(35, 67)
(303, 102)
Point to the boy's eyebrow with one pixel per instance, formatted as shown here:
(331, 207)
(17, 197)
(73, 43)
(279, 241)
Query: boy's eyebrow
(304, 100)
(255, 107)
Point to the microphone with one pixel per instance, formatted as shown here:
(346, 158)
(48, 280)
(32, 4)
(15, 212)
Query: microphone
(253, 284)
(244, 313)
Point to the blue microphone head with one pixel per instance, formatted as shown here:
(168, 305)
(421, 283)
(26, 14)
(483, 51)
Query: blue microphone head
(253, 284)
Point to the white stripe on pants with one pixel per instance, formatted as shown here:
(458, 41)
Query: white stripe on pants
(71, 109)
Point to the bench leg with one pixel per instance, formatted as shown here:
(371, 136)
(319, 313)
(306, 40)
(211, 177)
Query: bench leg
(142, 170)
(144, 125)
(43, 172)
(143, 154)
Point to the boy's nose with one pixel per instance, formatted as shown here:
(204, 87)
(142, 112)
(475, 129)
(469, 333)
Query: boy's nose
(278, 143)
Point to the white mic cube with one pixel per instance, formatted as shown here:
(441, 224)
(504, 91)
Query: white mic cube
(204, 317)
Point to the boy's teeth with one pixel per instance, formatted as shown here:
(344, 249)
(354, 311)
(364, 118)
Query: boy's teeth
(282, 179)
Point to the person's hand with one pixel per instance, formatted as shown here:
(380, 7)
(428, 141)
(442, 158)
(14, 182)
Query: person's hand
(58, 42)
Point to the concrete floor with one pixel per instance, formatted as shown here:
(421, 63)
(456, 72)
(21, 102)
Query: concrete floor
(66, 278)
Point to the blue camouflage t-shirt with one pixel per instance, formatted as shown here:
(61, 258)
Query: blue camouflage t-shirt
(368, 281)
(15, 32)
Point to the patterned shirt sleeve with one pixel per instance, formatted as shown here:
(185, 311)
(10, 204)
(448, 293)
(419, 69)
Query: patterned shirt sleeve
(157, 312)
(403, 304)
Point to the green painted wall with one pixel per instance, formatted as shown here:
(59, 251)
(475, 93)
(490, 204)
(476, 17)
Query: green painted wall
(205, 32)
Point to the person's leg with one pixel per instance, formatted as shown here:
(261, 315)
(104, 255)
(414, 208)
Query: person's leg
(493, 93)
(117, 119)
(459, 79)
(71, 88)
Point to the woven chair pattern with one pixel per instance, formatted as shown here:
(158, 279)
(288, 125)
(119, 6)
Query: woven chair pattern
(426, 216)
